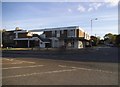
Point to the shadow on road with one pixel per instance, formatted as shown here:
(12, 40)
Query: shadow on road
(84, 55)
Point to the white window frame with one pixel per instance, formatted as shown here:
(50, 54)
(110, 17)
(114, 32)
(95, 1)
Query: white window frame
(58, 33)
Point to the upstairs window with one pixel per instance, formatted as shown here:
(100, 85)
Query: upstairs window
(71, 33)
(62, 31)
(58, 33)
(53, 33)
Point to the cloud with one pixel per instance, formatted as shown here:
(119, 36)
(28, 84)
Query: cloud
(90, 9)
(98, 5)
(95, 5)
(112, 3)
(81, 8)
(69, 10)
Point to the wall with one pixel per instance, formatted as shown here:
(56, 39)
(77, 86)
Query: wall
(55, 42)
(61, 43)
(42, 45)
(80, 33)
(75, 44)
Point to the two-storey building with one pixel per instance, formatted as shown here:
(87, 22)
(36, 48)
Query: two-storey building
(69, 37)
(24, 38)
(20, 38)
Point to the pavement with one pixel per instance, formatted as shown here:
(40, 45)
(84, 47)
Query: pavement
(64, 68)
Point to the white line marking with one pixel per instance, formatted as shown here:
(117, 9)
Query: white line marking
(92, 69)
(7, 59)
(23, 67)
(19, 62)
(16, 61)
(62, 66)
(49, 72)
(56, 71)
(85, 69)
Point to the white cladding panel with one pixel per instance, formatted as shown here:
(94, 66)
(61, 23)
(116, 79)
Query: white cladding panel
(55, 42)
(58, 33)
(42, 45)
(80, 44)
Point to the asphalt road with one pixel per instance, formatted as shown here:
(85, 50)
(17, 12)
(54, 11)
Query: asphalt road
(64, 68)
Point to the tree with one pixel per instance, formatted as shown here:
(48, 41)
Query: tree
(95, 40)
(110, 38)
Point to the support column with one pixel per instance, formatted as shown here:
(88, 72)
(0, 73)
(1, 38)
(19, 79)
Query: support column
(28, 43)
(16, 35)
(16, 44)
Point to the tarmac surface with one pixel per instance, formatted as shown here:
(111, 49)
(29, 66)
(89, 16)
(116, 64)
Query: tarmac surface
(98, 66)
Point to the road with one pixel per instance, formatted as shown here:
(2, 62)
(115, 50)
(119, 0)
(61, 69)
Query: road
(38, 69)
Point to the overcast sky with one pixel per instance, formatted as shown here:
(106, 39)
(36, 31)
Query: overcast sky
(38, 15)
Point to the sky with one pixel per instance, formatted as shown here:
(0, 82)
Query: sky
(40, 15)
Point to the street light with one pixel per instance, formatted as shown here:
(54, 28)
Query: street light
(91, 24)
(91, 41)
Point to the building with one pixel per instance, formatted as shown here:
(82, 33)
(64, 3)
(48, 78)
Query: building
(62, 37)
(24, 38)
(19, 38)
(68, 37)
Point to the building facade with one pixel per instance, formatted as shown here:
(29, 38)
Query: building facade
(19, 38)
(24, 38)
(68, 37)
(62, 37)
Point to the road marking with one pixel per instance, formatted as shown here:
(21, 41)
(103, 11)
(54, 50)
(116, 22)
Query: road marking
(98, 70)
(48, 72)
(56, 71)
(7, 59)
(62, 66)
(23, 67)
(19, 62)
(92, 69)
(16, 61)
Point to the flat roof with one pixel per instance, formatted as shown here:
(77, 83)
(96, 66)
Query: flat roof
(59, 28)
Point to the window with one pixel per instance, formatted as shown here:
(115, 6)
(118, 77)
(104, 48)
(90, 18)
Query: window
(62, 31)
(53, 33)
(71, 33)
(58, 33)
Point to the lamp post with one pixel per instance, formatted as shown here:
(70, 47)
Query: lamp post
(91, 24)
(91, 31)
